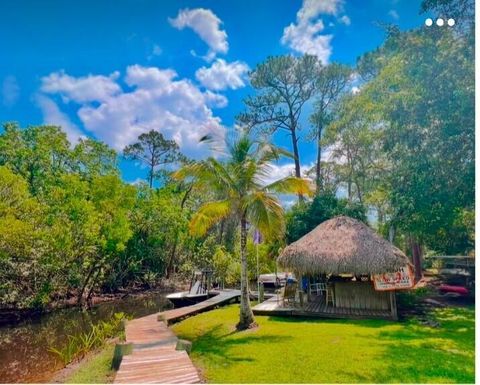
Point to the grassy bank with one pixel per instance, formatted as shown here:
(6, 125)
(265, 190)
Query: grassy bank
(285, 350)
(93, 369)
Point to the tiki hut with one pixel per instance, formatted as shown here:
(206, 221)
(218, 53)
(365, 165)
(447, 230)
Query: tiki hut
(351, 263)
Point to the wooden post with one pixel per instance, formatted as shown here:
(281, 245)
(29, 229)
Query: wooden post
(393, 305)
(260, 293)
(184, 345)
(300, 288)
(309, 291)
(120, 351)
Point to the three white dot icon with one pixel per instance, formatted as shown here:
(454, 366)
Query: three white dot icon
(440, 22)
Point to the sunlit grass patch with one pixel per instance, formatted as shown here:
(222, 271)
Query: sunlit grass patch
(303, 350)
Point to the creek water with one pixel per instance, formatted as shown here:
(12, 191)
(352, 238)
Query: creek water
(24, 347)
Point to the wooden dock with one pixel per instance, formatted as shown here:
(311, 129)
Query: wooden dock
(154, 357)
(318, 309)
(174, 315)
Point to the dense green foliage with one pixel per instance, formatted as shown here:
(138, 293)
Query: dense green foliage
(285, 350)
(424, 98)
(69, 225)
(403, 143)
(304, 217)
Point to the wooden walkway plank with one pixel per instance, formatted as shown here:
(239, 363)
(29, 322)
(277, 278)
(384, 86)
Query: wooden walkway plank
(154, 358)
(316, 309)
(225, 296)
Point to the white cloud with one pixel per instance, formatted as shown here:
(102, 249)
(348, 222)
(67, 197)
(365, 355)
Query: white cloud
(215, 100)
(312, 8)
(10, 91)
(206, 25)
(345, 20)
(148, 77)
(158, 100)
(394, 14)
(54, 116)
(355, 90)
(222, 75)
(82, 89)
(305, 36)
(277, 171)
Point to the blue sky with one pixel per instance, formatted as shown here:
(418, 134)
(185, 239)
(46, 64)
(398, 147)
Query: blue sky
(113, 69)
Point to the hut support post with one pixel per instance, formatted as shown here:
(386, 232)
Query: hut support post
(299, 286)
(309, 291)
(393, 305)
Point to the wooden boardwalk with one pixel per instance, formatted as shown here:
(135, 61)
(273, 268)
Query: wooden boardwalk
(154, 358)
(318, 309)
(174, 315)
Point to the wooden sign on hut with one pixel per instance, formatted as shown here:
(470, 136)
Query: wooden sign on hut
(340, 258)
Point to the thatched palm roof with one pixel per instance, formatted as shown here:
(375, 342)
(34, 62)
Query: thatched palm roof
(342, 245)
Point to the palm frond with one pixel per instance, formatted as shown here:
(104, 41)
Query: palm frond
(268, 153)
(207, 215)
(291, 185)
(265, 212)
(209, 173)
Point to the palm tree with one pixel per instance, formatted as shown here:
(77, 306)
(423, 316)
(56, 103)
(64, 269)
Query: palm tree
(239, 182)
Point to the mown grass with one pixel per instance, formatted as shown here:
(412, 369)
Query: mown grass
(286, 350)
(95, 369)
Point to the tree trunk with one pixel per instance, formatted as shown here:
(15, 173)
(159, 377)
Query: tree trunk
(172, 258)
(359, 193)
(296, 155)
(171, 261)
(246, 314)
(318, 179)
(87, 280)
(150, 177)
(391, 233)
(417, 258)
(220, 232)
(88, 301)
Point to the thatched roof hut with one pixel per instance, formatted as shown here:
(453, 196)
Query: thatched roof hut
(342, 245)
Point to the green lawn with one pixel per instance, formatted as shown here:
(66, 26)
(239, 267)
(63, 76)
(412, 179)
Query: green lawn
(286, 350)
(94, 369)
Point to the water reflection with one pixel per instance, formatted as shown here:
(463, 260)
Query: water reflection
(24, 355)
